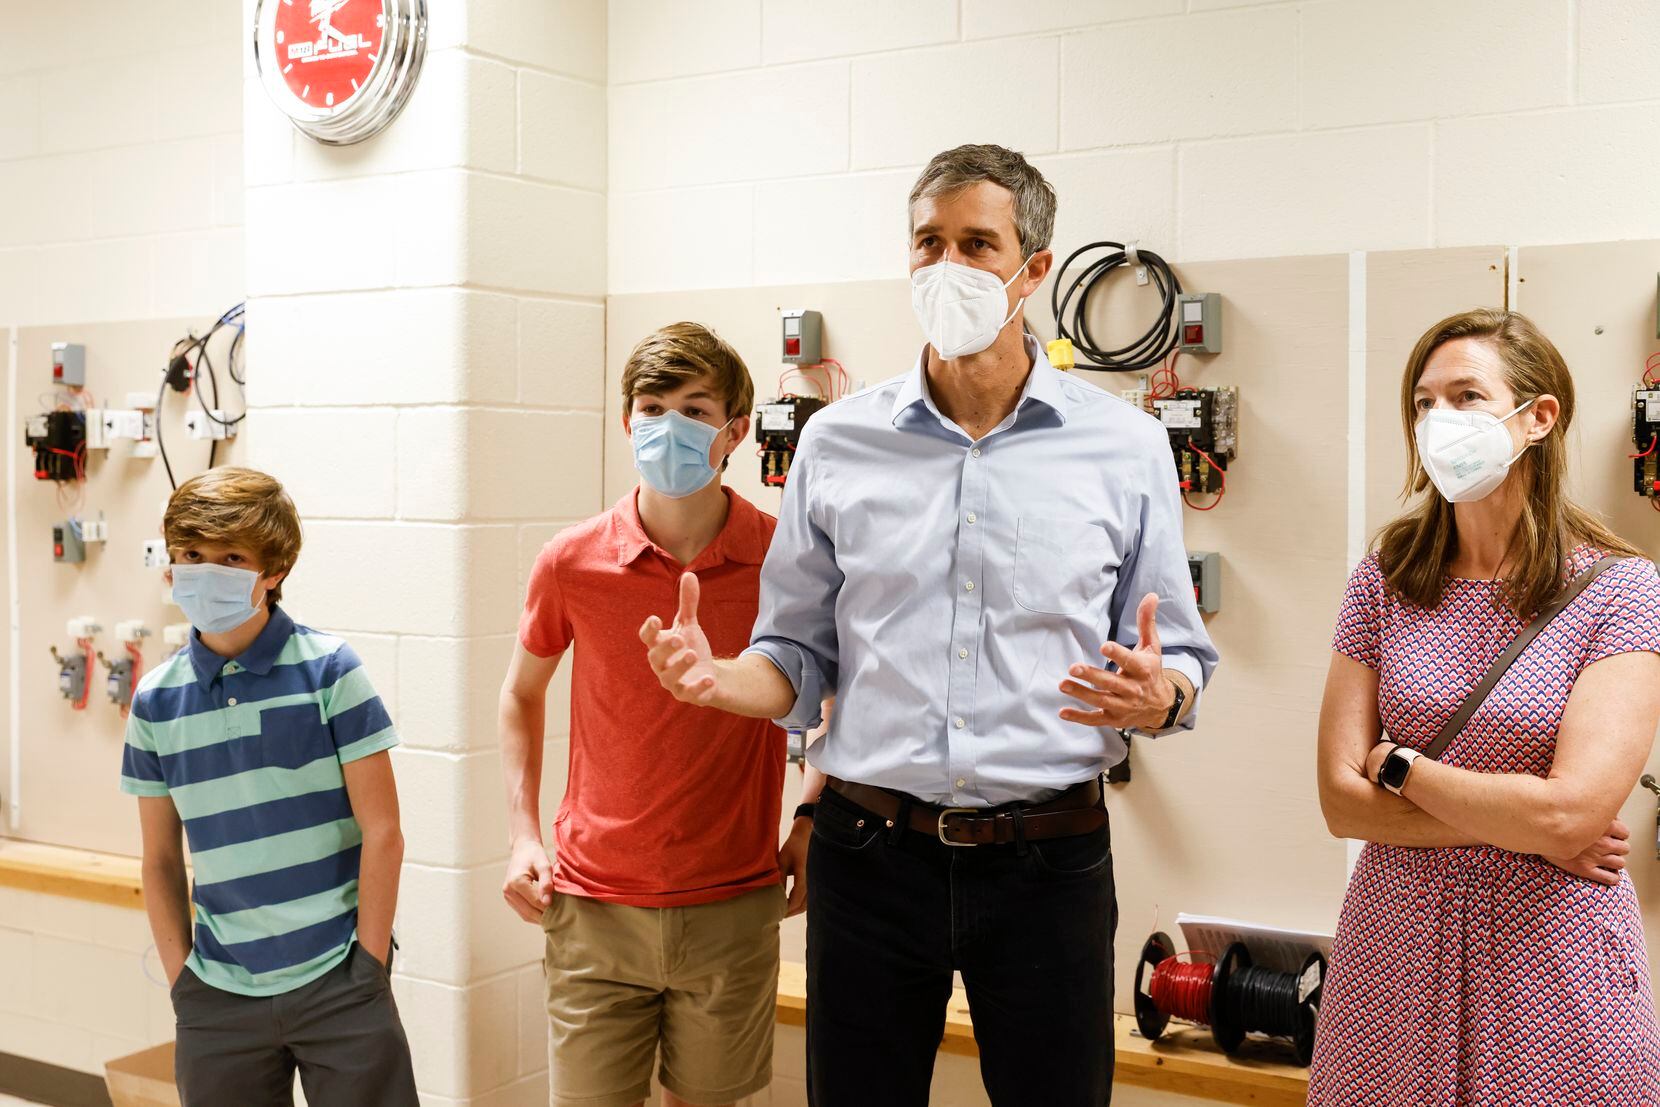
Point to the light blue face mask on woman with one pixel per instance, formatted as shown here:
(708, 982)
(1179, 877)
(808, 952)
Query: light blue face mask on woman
(672, 452)
(215, 598)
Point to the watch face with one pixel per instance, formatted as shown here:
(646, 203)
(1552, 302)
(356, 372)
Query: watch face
(326, 49)
(339, 69)
(1393, 773)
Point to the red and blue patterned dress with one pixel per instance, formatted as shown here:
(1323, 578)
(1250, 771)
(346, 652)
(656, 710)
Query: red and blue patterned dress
(1476, 976)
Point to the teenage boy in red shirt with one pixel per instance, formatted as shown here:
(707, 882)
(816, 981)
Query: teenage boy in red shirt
(662, 909)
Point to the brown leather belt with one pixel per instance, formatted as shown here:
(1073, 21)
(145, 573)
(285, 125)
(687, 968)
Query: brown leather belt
(1075, 811)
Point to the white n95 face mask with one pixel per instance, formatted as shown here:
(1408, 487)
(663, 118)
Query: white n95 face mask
(1467, 454)
(959, 307)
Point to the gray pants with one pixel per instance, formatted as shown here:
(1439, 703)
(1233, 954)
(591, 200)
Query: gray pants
(341, 1031)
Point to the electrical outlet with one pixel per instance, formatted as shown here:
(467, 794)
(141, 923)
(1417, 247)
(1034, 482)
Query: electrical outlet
(155, 554)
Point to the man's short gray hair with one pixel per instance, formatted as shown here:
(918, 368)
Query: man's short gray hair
(1034, 198)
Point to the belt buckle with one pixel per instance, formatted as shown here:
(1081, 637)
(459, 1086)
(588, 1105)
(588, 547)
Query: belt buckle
(940, 825)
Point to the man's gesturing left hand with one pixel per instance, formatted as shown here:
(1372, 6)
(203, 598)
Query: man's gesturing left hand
(1138, 694)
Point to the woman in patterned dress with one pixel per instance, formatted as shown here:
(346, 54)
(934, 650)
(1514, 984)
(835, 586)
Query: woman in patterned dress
(1490, 949)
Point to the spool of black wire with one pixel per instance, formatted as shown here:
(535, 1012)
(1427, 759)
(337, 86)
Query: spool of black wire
(1069, 299)
(1257, 1000)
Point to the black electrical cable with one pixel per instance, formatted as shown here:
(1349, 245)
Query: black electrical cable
(1071, 309)
(1265, 1001)
(199, 347)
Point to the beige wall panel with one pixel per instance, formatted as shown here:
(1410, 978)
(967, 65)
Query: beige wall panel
(1214, 819)
(71, 760)
(1406, 292)
(1572, 293)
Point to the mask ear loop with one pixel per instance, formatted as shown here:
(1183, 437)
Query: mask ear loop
(1022, 300)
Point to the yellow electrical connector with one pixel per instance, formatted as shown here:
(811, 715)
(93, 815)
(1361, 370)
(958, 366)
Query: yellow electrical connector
(1060, 354)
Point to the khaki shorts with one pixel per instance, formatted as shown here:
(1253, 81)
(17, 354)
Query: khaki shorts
(701, 982)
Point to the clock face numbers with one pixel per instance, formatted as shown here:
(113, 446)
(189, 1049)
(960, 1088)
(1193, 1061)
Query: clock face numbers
(328, 48)
(341, 70)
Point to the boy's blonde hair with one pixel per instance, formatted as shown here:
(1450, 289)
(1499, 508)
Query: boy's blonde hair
(232, 506)
(680, 352)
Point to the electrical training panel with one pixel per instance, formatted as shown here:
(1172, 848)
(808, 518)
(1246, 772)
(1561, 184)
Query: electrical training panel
(778, 427)
(1203, 425)
(1645, 426)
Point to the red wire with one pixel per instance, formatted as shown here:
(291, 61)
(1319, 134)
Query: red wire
(86, 682)
(1221, 473)
(1650, 450)
(1164, 383)
(1182, 988)
(137, 654)
(1649, 367)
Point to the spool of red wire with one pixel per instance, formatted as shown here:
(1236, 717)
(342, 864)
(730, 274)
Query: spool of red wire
(1182, 989)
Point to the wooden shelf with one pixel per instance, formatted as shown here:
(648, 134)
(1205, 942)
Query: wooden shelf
(74, 873)
(1184, 1060)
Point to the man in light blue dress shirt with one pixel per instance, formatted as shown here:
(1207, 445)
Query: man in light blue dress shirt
(957, 551)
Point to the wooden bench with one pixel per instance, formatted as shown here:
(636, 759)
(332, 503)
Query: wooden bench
(1184, 1061)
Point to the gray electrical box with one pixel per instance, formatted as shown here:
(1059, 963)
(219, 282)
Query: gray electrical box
(71, 675)
(1199, 323)
(119, 684)
(803, 336)
(68, 364)
(1206, 569)
(67, 546)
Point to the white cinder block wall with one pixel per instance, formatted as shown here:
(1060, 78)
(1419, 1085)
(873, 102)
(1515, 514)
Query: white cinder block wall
(760, 142)
(120, 172)
(426, 361)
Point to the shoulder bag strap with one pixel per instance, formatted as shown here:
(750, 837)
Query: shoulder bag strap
(1479, 694)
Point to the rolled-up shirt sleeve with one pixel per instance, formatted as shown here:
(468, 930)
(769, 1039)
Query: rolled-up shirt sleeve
(1158, 563)
(796, 628)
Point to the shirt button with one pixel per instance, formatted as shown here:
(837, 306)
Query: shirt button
(231, 702)
(976, 451)
(963, 654)
(961, 782)
(969, 587)
(971, 517)
(960, 725)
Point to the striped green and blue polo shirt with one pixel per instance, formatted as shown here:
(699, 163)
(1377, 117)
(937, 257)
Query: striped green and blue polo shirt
(250, 750)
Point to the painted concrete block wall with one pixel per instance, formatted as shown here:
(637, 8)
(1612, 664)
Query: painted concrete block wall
(435, 408)
(776, 140)
(122, 176)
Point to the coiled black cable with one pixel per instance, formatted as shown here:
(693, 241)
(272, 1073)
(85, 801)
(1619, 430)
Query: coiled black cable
(1264, 1001)
(1071, 310)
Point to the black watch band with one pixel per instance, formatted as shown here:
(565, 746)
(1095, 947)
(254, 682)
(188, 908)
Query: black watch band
(805, 810)
(1175, 706)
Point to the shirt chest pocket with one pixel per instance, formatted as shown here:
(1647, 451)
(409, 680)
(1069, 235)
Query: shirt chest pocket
(293, 736)
(1060, 565)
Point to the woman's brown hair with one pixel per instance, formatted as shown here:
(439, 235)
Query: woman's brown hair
(1415, 550)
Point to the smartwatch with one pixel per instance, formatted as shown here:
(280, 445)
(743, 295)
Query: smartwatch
(1396, 767)
(1175, 707)
(805, 810)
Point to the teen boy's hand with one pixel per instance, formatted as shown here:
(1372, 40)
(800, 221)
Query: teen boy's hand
(528, 888)
(680, 656)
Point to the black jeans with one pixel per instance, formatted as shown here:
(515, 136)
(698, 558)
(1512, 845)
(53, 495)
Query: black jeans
(893, 912)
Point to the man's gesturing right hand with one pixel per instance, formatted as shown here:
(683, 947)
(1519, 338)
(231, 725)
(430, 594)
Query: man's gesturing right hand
(680, 656)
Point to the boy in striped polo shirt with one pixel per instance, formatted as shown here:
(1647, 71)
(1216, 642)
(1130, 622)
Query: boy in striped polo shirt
(264, 741)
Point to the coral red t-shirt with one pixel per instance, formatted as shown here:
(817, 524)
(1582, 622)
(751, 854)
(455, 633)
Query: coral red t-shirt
(668, 804)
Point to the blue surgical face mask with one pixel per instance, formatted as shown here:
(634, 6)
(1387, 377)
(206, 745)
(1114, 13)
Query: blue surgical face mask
(215, 598)
(672, 452)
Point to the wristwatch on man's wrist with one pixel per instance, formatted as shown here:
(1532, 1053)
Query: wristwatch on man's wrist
(1175, 707)
(1396, 767)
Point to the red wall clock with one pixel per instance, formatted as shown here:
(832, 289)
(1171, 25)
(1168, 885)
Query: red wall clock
(339, 69)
